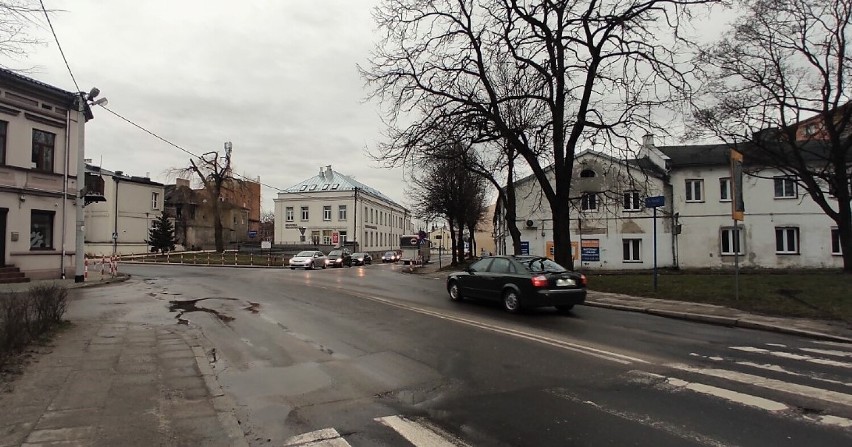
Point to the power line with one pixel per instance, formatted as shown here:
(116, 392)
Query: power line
(176, 146)
(47, 16)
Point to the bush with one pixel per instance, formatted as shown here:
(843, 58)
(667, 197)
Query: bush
(27, 316)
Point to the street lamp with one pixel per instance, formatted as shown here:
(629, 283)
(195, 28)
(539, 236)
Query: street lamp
(84, 113)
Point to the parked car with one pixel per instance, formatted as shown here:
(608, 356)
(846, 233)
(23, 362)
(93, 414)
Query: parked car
(309, 259)
(339, 258)
(390, 256)
(519, 282)
(361, 259)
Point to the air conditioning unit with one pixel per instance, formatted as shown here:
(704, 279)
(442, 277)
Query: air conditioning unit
(530, 223)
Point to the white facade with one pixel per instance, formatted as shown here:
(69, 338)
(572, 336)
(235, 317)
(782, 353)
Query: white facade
(120, 224)
(38, 176)
(332, 203)
(783, 226)
(605, 234)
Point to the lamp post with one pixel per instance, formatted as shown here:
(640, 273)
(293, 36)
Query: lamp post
(84, 113)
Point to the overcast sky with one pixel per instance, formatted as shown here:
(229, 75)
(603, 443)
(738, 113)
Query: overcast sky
(276, 78)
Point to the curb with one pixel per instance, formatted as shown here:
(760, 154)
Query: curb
(722, 321)
(223, 404)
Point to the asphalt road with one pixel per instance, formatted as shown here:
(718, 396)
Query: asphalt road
(371, 356)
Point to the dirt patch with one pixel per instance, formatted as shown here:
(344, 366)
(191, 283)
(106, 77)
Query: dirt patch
(185, 306)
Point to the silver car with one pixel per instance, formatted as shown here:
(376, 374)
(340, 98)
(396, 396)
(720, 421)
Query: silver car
(309, 259)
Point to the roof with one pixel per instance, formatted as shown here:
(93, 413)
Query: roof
(697, 155)
(329, 180)
(120, 175)
(9, 75)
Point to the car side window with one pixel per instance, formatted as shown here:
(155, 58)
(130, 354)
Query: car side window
(480, 266)
(499, 265)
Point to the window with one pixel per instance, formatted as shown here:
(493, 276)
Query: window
(785, 188)
(155, 200)
(3, 126)
(501, 265)
(787, 240)
(288, 214)
(731, 244)
(335, 186)
(313, 187)
(835, 241)
(694, 189)
(326, 212)
(304, 187)
(725, 189)
(325, 186)
(341, 212)
(305, 214)
(631, 201)
(587, 173)
(41, 229)
(632, 250)
(43, 150)
(589, 201)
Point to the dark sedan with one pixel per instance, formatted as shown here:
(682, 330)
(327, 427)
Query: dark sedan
(361, 259)
(519, 282)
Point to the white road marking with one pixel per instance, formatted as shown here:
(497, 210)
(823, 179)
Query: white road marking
(583, 349)
(777, 345)
(827, 352)
(733, 396)
(788, 355)
(775, 368)
(832, 343)
(327, 437)
(643, 419)
(418, 434)
(772, 384)
(831, 420)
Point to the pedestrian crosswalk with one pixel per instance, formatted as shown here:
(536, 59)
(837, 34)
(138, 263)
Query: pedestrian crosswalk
(415, 432)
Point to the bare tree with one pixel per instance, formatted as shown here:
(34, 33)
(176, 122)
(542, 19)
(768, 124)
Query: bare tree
(214, 172)
(780, 78)
(594, 67)
(16, 16)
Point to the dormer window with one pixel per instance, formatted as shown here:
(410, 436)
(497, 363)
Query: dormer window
(325, 187)
(587, 173)
(335, 186)
(313, 187)
(304, 187)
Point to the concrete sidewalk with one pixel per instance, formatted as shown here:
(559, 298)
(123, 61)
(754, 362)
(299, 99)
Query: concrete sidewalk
(705, 313)
(106, 382)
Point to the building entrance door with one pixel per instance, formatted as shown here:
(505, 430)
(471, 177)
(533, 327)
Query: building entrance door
(3, 213)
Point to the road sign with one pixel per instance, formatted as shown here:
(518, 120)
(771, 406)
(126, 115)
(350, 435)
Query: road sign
(655, 201)
(335, 237)
(252, 233)
(525, 247)
(266, 245)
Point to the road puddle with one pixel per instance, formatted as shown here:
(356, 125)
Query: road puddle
(252, 307)
(186, 306)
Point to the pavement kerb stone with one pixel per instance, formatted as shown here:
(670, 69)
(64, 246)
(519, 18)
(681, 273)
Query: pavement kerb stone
(616, 306)
(223, 405)
(712, 319)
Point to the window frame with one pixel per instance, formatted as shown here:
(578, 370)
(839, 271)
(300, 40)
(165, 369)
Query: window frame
(738, 242)
(783, 181)
(326, 213)
(305, 214)
(587, 205)
(289, 214)
(725, 189)
(631, 249)
(632, 198)
(39, 150)
(785, 233)
(836, 249)
(155, 200)
(4, 133)
(51, 216)
(694, 187)
(341, 212)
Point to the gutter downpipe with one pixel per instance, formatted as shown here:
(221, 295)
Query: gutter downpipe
(65, 191)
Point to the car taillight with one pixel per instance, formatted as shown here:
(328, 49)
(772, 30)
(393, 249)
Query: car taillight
(583, 280)
(539, 281)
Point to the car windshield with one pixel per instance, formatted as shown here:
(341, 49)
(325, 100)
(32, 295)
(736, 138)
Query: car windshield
(335, 253)
(306, 254)
(390, 253)
(542, 265)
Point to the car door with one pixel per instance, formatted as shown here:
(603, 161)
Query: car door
(495, 278)
(473, 283)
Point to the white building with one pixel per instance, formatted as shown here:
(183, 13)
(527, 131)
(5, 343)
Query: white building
(612, 229)
(119, 224)
(332, 209)
(39, 138)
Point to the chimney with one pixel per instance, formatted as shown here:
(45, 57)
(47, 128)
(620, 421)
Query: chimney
(322, 172)
(648, 141)
(182, 182)
(329, 174)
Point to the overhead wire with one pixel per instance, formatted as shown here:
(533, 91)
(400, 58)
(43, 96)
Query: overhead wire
(58, 45)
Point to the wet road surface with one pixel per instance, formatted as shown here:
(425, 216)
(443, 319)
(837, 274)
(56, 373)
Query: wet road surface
(369, 356)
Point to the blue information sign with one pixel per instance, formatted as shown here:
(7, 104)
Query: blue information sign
(655, 201)
(252, 233)
(525, 247)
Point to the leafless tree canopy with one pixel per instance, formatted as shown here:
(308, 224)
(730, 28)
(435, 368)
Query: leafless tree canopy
(779, 82)
(546, 76)
(16, 18)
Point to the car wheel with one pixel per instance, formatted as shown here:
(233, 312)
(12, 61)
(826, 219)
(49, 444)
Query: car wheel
(511, 301)
(564, 308)
(455, 292)
(310, 266)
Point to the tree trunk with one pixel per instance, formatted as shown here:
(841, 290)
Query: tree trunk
(844, 229)
(217, 226)
(562, 236)
(452, 242)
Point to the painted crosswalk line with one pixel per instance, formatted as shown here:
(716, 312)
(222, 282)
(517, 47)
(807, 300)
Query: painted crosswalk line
(419, 433)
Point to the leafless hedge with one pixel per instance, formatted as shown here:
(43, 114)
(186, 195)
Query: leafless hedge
(26, 316)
